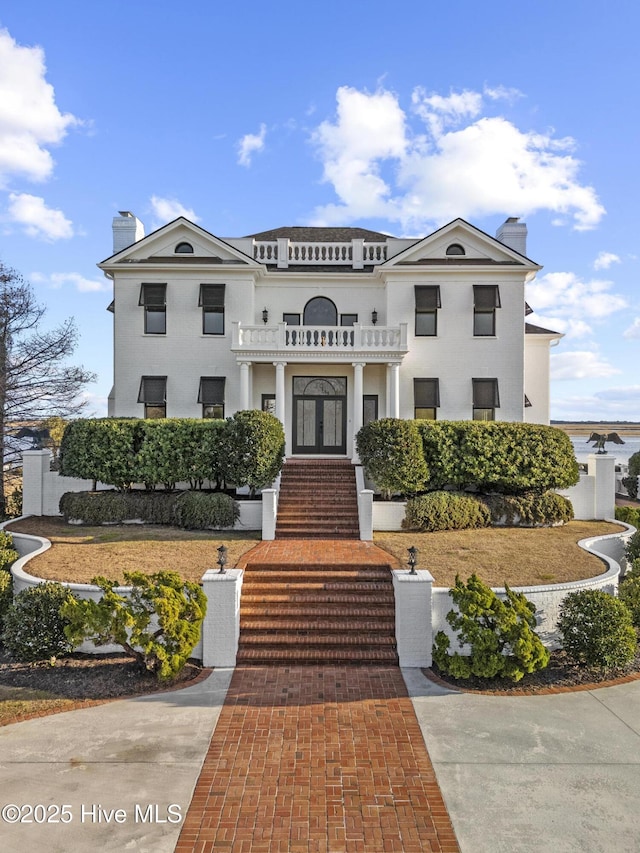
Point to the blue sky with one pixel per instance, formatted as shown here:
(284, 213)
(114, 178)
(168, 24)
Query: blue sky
(397, 118)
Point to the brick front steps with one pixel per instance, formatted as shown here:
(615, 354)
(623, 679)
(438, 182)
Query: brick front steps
(317, 500)
(332, 610)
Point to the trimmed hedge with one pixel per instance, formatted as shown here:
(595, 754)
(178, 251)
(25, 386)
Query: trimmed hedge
(629, 514)
(246, 449)
(631, 482)
(190, 510)
(445, 511)
(597, 629)
(6, 595)
(33, 627)
(629, 594)
(391, 453)
(8, 554)
(254, 449)
(529, 510)
(498, 456)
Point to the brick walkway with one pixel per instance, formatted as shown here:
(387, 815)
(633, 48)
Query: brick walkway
(317, 759)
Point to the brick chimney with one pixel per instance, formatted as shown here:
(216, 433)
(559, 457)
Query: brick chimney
(513, 234)
(127, 230)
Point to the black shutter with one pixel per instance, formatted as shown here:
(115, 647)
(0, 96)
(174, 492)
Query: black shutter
(153, 295)
(211, 296)
(485, 394)
(211, 391)
(153, 390)
(426, 393)
(486, 297)
(427, 297)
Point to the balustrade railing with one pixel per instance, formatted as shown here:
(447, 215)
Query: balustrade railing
(318, 338)
(354, 253)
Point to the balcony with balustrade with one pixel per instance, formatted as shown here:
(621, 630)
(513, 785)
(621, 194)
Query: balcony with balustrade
(284, 253)
(322, 343)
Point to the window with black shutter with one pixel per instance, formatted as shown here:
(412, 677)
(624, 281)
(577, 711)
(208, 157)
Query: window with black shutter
(486, 399)
(154, 299)
(153, 393)
(486, 298)
(426, 398)
(212, 303)
(211, 395)
(427, 304)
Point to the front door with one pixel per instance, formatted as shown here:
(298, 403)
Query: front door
(319, 414)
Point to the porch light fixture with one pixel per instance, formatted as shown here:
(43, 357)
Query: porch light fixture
(222, 559)
(374, 316)
(413, 559)
(265, 316)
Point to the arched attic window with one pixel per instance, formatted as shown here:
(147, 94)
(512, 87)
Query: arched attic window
(184, 249)
(455, 249)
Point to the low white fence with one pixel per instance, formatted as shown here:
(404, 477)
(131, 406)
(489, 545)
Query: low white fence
(420, 609)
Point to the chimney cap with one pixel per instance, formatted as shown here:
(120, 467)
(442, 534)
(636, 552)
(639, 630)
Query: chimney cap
(126, 213)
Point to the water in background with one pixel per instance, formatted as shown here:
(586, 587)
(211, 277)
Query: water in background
(622, 452)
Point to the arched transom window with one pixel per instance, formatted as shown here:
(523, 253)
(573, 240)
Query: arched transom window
(320, 311)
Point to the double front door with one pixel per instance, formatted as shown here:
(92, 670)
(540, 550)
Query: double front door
(319, 414)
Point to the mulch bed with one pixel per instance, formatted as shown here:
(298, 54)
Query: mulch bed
(561, 675)
(93, 677)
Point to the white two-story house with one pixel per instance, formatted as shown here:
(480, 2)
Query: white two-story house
(325, 327)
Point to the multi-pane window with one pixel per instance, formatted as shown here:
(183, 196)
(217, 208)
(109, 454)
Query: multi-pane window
(154, 299)
(426, 398)
(153, 393)
(486, 399)
(348, 319)
(369, 408)
(427, 304)
(212, 303)
(486, 298)
(291, 319)
(211, 395)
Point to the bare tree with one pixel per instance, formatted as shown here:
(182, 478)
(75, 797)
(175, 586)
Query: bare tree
(35, 381)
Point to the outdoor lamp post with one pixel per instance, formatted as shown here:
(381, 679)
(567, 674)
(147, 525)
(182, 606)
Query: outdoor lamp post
(222, 559)
(413, 559)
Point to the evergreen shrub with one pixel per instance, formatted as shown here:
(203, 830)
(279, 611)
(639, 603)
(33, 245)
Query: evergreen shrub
(445, 511)
(529, 510)
(597, 629)
(500, 634)
(629, 514)
(8, 554)
(391, 452)
(33, 624)
(631, 482)
(200, 510)
(629, 594)
(253, 449)
(6, 595)
(632, 550)
(158, 623)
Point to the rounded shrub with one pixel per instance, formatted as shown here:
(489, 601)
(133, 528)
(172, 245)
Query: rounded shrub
(391, 452)
(445, 511)
(632, 551)
(597, 629)
(33, 627)
(8, 554)
(629, 514)
(6, 595)
(201, 510)
(629, 594)
(529, 510)
(631, 482)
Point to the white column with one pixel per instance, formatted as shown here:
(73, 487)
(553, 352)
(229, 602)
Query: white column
(414, 632)
(280, 394)
(221, 626)
(357, 404)
(244, 385)
(393, 398)
(602, 468)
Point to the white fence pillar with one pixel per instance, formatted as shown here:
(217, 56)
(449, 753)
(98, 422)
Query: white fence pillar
(414, 633)
(35, 464)
(221, 627)
(269, 513)
(603, 468)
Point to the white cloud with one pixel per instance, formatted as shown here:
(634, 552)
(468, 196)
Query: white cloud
(580, 364)
(250, 144)
(167, 209)
(570, 298)
(605, 260)
(634, 330)
(457, 162)
(58, 280)
(29, 117)
(38, 220)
